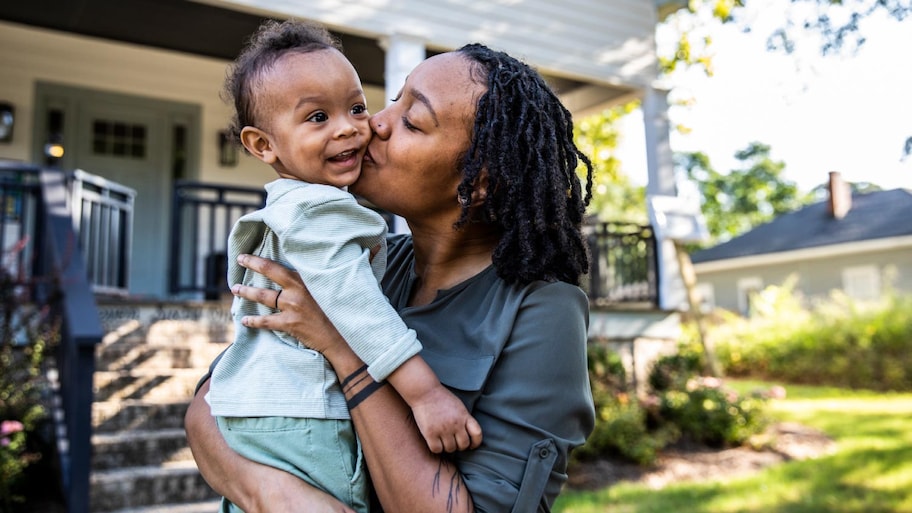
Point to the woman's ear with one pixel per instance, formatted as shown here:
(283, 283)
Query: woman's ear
(480, 191)
(259, 145)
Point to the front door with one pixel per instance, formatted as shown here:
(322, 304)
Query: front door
(138, 142)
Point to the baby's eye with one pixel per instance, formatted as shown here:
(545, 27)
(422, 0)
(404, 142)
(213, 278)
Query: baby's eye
(359, 109)
(319, 117)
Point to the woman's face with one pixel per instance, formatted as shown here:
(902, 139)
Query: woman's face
(410, 165)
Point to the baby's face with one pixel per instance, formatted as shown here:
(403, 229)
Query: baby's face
(316, 118)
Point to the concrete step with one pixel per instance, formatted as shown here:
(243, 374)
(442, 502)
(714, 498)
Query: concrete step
(147, 384)
(130, 414)
(137, 355)
(147, 366)
(210, 506)
(147, 487)
(139, 449)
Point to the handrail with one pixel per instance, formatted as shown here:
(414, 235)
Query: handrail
(81, 331)
(35, 207)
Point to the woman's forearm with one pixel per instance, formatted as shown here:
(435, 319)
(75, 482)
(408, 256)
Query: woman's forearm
(405, 474)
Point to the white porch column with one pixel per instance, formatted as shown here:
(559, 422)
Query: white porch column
(403, 53)
(660, 166)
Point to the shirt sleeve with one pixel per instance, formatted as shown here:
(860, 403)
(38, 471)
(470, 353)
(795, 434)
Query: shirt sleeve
(536, 406)
(329, 244)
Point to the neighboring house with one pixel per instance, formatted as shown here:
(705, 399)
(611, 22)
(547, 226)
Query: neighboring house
(860, 244)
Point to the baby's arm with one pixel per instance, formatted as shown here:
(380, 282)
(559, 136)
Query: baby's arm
(443, 420)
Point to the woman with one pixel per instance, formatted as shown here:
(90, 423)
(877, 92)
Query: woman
(477, 155)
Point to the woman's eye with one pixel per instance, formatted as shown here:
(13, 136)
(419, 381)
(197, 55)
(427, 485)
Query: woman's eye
(319, 117)
(408, 124)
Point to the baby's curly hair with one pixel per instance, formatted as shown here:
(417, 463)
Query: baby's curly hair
(271, 41)
(522, 142)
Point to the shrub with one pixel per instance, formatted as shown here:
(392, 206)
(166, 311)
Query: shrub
(620, 423)
(26, 333)
(681, 404)
(707, 412)
(836, 342)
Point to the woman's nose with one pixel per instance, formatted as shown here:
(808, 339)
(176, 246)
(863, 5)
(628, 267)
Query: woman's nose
(380, 124)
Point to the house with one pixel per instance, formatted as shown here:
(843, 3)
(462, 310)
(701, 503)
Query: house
(860, 244)
(126, 93)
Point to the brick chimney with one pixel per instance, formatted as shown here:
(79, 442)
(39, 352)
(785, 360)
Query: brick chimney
(839, 199)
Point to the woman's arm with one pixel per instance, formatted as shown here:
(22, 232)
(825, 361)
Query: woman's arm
(255, 488)
(406, 476)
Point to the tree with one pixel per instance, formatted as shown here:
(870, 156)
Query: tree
(614, 197)
(837, 23)
(735, 202)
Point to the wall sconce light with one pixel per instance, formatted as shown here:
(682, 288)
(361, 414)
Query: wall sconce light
(228, 150)
(7, 120)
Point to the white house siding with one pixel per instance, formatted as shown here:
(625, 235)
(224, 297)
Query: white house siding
(602, 41)
(818, 275)
(29, 55)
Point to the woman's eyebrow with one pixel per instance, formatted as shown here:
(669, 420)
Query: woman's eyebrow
(418, 95)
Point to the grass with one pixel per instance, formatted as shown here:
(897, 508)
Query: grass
(870, 472)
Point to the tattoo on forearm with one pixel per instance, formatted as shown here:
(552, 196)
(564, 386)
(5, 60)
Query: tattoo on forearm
(454, 488)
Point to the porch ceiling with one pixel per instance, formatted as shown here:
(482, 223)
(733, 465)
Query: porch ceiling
(211, 31)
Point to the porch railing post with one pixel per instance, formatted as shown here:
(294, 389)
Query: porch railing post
(81, 331)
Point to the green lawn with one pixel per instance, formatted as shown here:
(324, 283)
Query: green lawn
(870, 472)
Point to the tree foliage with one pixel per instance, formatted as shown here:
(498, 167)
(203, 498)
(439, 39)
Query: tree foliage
(614, 197)
(837, 23)
(744, 198)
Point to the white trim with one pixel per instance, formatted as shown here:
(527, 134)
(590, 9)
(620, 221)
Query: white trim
(820, 252)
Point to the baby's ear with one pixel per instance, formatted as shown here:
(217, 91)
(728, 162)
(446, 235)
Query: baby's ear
(258, 144)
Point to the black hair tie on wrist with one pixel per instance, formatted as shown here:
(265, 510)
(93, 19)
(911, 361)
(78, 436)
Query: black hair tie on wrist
(363, 394)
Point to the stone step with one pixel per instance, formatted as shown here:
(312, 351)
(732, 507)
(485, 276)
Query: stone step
(130, 414)
(146, 487)
(177, 323)
(147, 384)
(209, 506)
(143, 355)
(139, 449)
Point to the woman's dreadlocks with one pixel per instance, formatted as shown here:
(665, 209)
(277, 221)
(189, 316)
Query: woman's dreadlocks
(523, 145)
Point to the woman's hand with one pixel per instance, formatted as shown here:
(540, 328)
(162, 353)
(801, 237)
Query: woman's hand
(299, 315)
(254, 487)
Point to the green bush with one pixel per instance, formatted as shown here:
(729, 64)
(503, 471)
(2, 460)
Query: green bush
(681, 403)
(708, 413)
(836, 342)
(620, 424)
(26, 333)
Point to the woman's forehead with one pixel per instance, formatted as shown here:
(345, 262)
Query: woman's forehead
(446, 81)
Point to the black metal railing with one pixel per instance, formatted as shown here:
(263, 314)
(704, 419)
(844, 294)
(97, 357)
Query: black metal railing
(201, 220)
(37, 224)
(624, 265)
(102, 213)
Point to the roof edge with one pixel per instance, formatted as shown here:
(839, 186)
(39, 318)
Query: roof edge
(816, 253)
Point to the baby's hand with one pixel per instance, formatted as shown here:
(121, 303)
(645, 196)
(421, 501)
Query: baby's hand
(445, 422)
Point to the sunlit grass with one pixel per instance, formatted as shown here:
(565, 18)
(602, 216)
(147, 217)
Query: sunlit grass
(870, 471)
